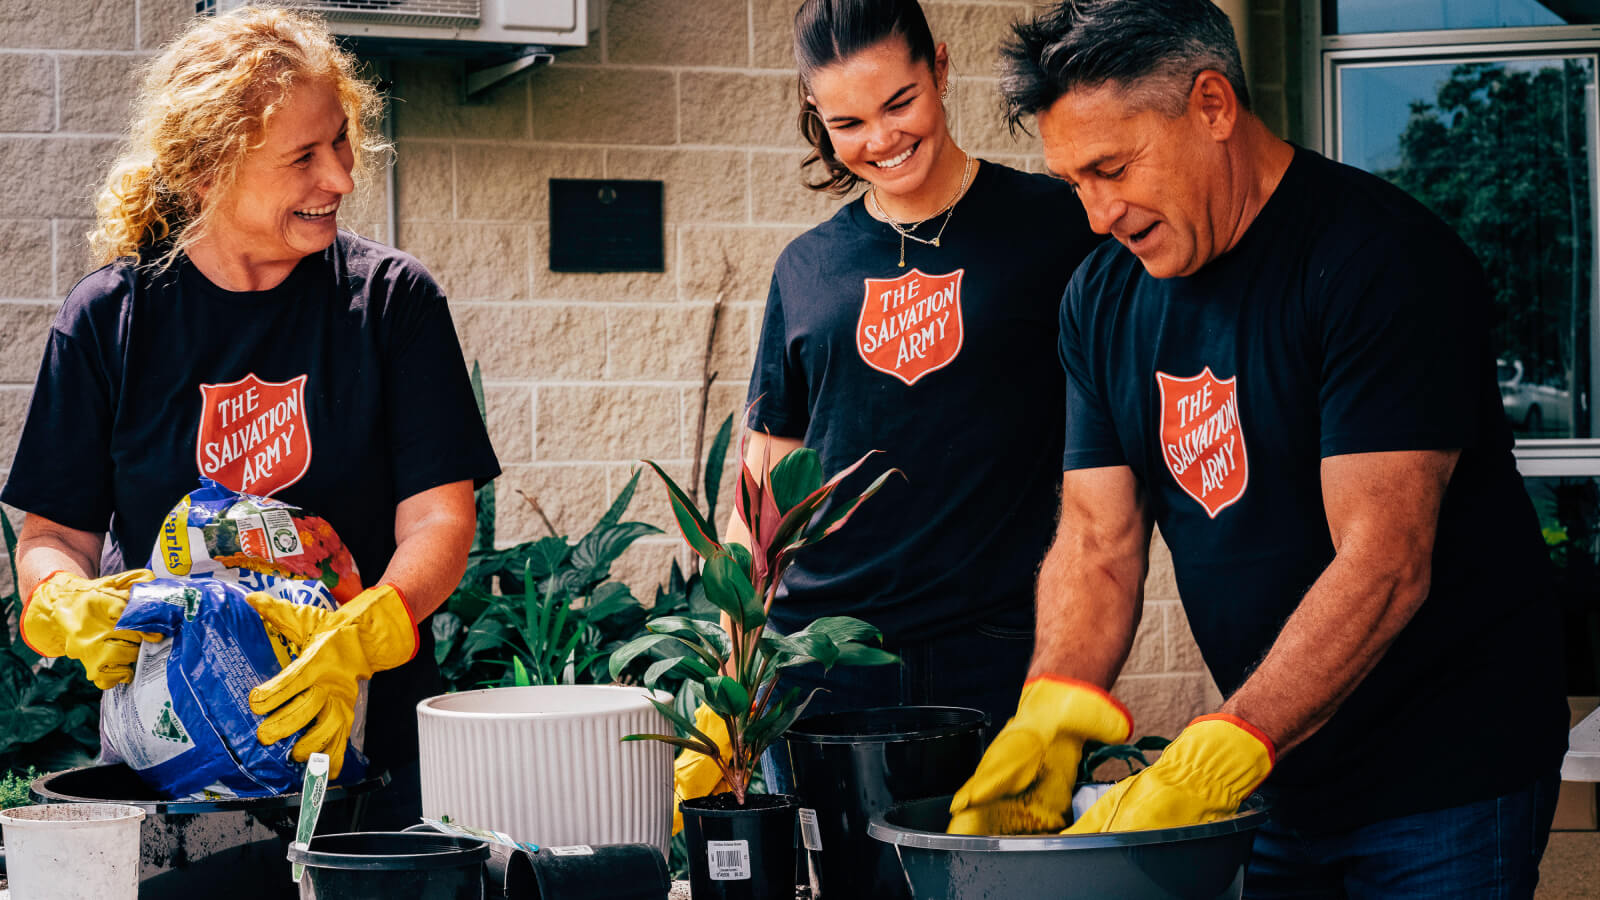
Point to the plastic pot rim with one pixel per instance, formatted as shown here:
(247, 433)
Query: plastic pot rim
(125, 812)
(1252, 815)
(468, 851)
(798, 733)
(430, 707)
(42, 795)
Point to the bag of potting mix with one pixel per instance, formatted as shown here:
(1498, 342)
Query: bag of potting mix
(256, 542)
(184, 723)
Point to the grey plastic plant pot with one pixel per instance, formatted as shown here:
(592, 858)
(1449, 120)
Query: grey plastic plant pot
(1189, 863)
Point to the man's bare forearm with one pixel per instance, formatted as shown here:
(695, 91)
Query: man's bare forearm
(1091, 583)
(1343, 626)
(1086, 618)
(1383, 511)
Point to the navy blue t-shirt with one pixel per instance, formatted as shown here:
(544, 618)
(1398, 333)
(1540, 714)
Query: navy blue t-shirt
(1348, 319)
(342, 390)
(948, 367)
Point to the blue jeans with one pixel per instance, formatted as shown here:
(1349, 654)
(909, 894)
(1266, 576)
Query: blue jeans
(980, 668)
(1486, 850)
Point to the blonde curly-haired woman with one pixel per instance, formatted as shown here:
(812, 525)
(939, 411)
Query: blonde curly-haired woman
(234, 332)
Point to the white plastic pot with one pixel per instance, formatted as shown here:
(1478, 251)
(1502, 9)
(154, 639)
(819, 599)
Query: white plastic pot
(68, 851)
(547, 764)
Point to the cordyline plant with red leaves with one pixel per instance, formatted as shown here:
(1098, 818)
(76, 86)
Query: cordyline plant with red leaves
(787, 512)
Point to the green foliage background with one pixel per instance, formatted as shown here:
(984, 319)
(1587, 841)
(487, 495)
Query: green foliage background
(1501, 155)
(49, 712)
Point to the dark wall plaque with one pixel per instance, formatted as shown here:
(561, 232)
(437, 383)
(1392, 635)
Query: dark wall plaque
(605, 226)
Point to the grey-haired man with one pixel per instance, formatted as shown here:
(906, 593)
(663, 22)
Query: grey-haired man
(1284, 363)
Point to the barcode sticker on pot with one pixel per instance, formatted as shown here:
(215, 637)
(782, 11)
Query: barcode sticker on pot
(574, 850)
(810, 834)
(730, 860)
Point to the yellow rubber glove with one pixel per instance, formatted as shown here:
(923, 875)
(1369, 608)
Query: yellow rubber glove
(1023, 784)
(372, 632)
(695, 774)
(1202, 776)
(67, 615)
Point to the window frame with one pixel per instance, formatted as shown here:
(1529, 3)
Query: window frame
(1325, 54)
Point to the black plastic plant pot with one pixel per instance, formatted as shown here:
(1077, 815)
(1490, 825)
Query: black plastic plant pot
(850, 766)
(1194, 862)
(599, 872)
(411, 864)
(634, 871)
(740, 852)
(189, 847)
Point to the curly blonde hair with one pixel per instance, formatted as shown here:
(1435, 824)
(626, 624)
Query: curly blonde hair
(204, 103)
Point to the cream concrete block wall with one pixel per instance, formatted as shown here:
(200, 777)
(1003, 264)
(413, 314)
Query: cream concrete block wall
(700, 96)
(585, 373)
(67, 75)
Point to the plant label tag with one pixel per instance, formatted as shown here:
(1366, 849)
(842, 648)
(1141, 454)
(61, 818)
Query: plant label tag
(253, 537)
(810, 834)
(574, 850)
(730, 860)
(281, 533)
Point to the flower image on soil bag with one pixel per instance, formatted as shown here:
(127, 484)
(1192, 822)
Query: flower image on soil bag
(221, 532)
(184, 723)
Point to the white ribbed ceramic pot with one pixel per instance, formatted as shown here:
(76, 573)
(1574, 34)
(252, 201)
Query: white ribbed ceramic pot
(547, 764)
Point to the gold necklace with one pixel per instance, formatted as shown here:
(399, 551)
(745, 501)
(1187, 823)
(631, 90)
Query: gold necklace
(949, 209)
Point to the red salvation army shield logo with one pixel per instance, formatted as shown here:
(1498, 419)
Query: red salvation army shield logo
(1202, 440)
(253, 436)
(910, 325)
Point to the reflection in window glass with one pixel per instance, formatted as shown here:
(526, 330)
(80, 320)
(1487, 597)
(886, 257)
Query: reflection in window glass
(1365, 16)
(1569, 515)
(1501, 150)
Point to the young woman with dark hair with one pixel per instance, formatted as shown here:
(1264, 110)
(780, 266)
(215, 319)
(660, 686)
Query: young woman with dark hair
(919, 321)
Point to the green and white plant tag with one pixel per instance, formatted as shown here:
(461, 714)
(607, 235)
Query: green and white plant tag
(311, 792)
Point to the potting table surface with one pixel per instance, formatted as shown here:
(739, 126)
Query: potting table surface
(680, 891)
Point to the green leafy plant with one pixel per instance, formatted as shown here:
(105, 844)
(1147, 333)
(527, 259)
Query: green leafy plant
(556, 616)
(49, 711)
(1571, 513)
(552, 623)
(14, 788)
(735, 671)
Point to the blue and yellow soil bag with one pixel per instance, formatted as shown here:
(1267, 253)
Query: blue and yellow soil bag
(184, 724)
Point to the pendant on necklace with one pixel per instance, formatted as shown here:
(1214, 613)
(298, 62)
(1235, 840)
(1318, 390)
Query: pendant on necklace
(936, 242)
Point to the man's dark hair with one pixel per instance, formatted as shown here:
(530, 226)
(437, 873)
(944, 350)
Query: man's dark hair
(828, 31)
(1151, 49)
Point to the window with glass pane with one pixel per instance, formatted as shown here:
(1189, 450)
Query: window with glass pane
(1569, 514)
(1367, 16)
(1504, 151)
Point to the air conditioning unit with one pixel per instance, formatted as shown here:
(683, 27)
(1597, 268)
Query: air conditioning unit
(548, 23)
(495, 38)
